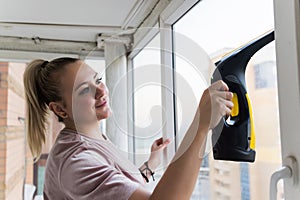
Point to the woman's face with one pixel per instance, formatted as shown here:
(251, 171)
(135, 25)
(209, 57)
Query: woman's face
(86, 97)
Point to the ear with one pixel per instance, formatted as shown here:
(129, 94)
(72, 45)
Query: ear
(58, 109)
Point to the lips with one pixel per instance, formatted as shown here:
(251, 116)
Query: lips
(101, 104)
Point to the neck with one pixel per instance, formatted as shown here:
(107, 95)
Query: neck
(92, 131)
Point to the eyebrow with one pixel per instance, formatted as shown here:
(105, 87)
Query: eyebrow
(85, 82)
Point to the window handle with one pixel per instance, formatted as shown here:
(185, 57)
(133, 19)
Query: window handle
(289, 170)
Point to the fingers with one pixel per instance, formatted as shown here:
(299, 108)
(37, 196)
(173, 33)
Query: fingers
(223, 102)
(227, 107)
(166, 142)
(224, 94)
(216, 102)
(160, 144)
(219, 85)
(220, 89)
(160, 141)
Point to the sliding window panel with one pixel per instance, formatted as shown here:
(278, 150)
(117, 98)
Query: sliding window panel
(147, 103)
(219, 27)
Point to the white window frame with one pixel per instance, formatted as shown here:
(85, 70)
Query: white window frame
(175, 10)
(137, 48)
(287, 41)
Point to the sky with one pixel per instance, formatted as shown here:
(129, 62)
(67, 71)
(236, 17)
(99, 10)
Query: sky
(215, 24)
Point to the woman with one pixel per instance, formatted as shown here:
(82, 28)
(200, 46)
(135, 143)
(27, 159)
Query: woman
(83, 164)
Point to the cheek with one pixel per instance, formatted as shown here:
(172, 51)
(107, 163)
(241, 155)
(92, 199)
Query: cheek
(83, 104)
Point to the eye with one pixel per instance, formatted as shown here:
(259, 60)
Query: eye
(98, 80)
(84, 91)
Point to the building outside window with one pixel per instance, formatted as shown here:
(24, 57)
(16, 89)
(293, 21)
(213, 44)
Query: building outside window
(265, 75)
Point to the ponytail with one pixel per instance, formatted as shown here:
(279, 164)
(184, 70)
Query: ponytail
(42, 86)
(37, 112)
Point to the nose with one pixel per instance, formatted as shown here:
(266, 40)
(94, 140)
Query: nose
(100, 91)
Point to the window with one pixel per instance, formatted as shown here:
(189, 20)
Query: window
(147, 102)
(219, 27)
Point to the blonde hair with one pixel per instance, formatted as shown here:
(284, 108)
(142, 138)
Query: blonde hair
(42, 86)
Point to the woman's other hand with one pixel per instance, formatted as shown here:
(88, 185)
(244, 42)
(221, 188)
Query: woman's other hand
(156, 152)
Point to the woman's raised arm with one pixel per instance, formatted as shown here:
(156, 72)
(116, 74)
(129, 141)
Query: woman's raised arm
(180, 177)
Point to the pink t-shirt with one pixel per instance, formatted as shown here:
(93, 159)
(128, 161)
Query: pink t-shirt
(79, 167)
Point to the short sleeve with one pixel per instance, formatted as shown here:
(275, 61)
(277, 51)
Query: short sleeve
(88, 175)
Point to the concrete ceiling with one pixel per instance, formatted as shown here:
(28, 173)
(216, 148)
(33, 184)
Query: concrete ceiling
(51, 25)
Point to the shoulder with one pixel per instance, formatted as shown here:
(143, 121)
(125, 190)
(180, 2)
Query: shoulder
(86, 157)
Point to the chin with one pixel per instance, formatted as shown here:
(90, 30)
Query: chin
(103, 116)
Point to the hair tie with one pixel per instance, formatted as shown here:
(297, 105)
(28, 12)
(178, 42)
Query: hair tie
(43, 65)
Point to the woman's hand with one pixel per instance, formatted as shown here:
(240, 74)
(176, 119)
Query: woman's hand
(214, 104)
(156, 152)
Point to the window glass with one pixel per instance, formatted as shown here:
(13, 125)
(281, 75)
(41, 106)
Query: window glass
(147, 103)
(265, 75)
(217, 25)
(220, 26)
